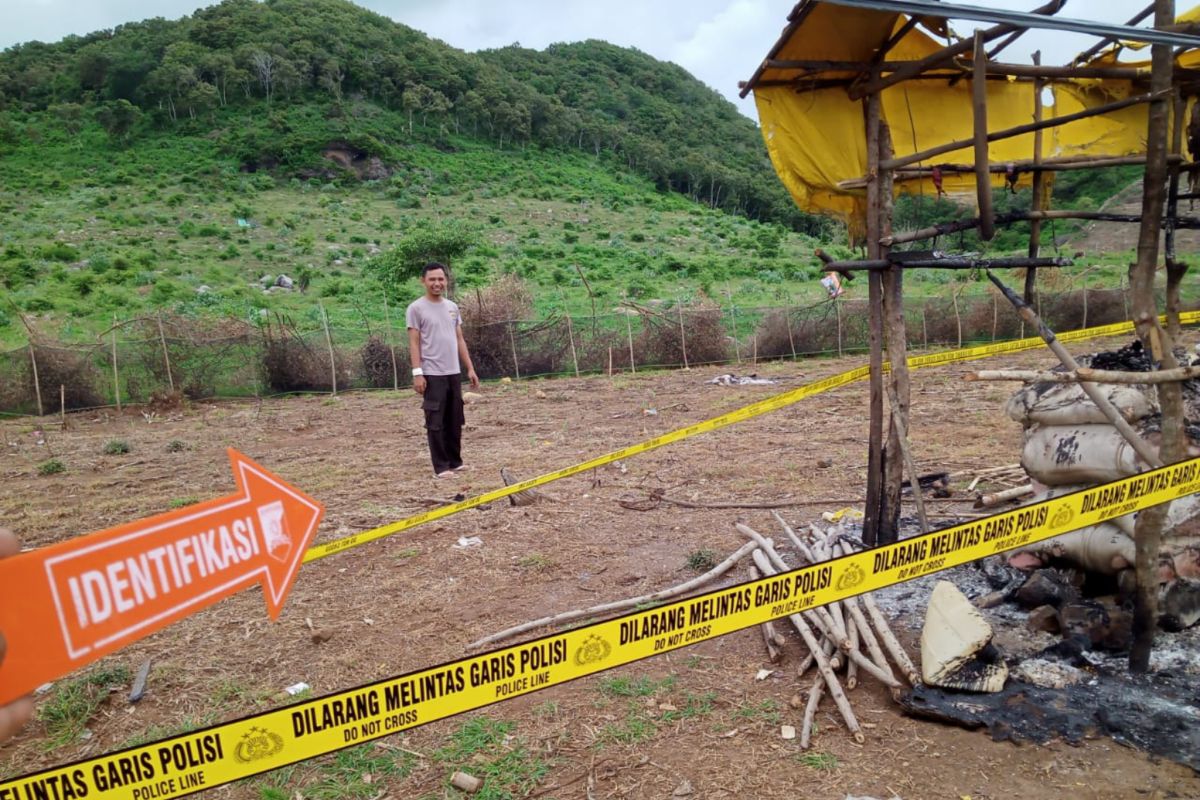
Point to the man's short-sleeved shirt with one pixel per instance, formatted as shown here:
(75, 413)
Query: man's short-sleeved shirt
(437, 323)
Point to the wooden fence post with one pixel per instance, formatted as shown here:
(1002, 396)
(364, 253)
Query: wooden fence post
(957, 317)
(737, 348)
(387, 320)
(787, 319)
(629, 333)
(837, 305)
(116, 374)
(329, 344)
(162, 337)
(62, 405)
(571, 339)
(682, 337)
(1085, 294)
(995, 315)
(37, 386)
(512, 340)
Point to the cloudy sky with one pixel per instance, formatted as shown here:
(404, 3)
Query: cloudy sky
(718, 41)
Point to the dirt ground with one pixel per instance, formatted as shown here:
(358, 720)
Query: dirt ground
(414, 600)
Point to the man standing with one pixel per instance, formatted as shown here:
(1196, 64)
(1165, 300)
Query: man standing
(436, 347)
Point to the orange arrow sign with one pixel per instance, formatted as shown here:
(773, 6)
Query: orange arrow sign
(67, 605)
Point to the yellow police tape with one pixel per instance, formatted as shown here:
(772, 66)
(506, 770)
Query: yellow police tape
(223, 753)
(746, 412)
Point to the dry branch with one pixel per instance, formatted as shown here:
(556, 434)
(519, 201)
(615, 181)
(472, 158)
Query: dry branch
(619, 605)
(1085, 374)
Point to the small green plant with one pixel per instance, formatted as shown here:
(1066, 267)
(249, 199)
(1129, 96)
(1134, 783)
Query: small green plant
(116, 447)
(51, 467)
(767, 711)
(353, 772)
(180, 502)
(535, 561)
(634, 728)
(408, 552)
(493, 753)
(701, 560)
(639, 687)
(176, 446)
(825, 762)
(73, 702)
(693, 706)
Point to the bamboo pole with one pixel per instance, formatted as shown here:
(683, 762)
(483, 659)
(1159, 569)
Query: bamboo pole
(329, 344)
(1085, 374)
(610, 372)
(1039, 189)
(682, 336)
(983, 182)
(37, 385)
(387, 321)
(116, 374)
(1021, 130)
(1139, 445)
(62, 404)
(162, 337)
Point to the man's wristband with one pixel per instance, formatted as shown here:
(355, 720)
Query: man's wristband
(417, 371)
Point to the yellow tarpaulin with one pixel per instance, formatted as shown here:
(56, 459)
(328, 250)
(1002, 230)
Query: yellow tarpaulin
(816, 137)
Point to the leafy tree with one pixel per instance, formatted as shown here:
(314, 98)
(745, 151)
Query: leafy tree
(443, 242)
(118, 118)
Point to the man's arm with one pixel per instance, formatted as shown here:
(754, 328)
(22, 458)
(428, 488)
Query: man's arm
(464, 356)
(414, 357)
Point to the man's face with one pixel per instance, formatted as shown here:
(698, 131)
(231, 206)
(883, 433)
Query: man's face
(435, 282)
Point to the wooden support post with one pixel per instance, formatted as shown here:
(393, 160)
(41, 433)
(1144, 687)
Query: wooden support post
(1038, 202)
(872, 522)
(162, 337)
(682, 337)
(387, 321)
(787, 319)
(1149, 526)
(897, 350)
(837, 306)
(116, 373)
(62, 405)
(1175, 269)
(957, 316)
(37, 385)
(610, 373)
(983, 178)
(329, 344)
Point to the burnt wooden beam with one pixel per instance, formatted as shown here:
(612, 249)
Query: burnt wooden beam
(874, 513)
(979, 115)
(1021, 130)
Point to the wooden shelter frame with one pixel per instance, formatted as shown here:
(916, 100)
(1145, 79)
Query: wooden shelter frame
(1166, 86)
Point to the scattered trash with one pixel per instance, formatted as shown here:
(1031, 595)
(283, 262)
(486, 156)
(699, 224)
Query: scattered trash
(787, 731)
(956, 649)
(297, 688)
(729, 379)
(467, 541)
(840, 514)
(45, 687)
(650, 412)
(763, 674)
(139, 682)
(467, 783)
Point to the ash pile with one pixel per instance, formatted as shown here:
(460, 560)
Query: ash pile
(1033, 645)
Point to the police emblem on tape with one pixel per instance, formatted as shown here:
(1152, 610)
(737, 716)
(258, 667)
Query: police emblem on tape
(852, 576)
(257, 744)
(1062, 516)
(593, 650)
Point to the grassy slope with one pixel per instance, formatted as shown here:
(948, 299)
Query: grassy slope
(90, 230)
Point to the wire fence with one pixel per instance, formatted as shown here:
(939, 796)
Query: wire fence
(164, 358)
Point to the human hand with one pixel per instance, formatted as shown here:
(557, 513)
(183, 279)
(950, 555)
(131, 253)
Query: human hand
(14, 715)
(419, 384)
(473, 378)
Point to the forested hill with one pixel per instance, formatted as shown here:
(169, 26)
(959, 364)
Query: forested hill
(241, 72)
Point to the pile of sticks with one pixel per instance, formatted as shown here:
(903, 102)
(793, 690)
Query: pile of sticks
(849, 635)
